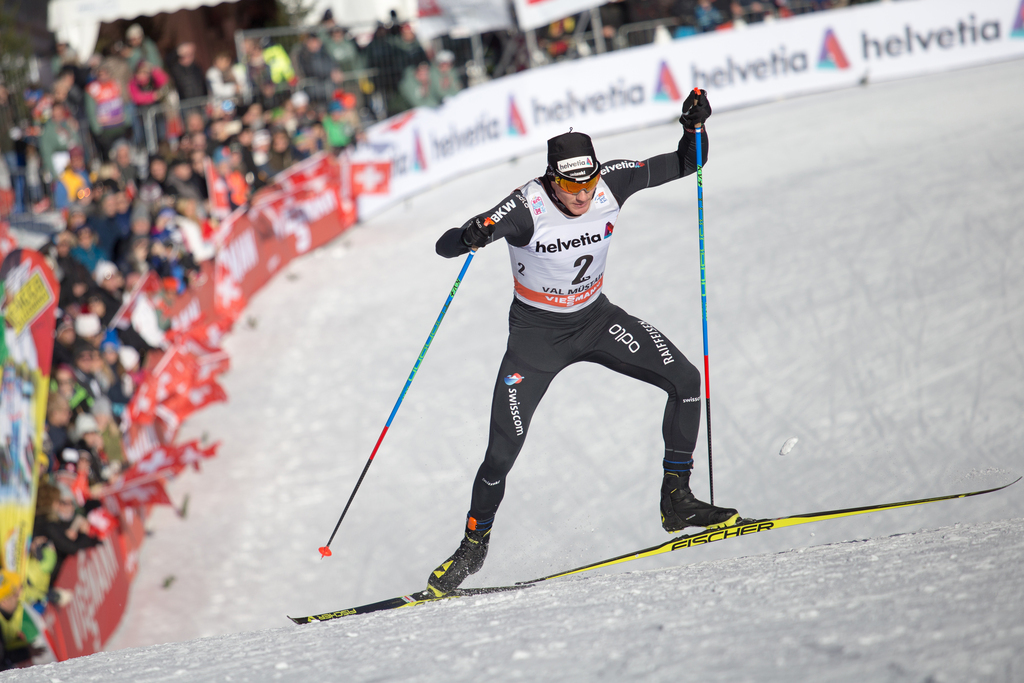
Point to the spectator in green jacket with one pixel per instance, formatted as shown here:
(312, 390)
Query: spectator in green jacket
(343, 50)
(341, 125)
(444, 80)
(60, 134)
(141, 48)
(415, 87)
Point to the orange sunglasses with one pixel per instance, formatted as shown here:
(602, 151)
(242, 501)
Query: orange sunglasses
(575, 188)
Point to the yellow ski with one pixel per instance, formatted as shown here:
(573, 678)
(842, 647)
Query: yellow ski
(745, 527)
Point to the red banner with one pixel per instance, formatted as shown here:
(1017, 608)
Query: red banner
(99, 579)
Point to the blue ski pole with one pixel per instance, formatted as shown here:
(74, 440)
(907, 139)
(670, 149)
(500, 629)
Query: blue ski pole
(325, 551)
(704, 299)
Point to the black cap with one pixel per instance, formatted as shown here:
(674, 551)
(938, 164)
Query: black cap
(571, 156)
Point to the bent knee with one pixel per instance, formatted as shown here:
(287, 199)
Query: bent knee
(685, 378)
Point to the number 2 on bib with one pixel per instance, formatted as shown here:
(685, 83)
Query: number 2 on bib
(585, 262)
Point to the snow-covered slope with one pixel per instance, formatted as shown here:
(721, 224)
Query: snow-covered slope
(866, 295)
(929, 606)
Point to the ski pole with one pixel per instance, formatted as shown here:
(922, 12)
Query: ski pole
(704, 298)
(325, 551)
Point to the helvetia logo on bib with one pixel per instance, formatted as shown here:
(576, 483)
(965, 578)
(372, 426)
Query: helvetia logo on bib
(666, 89)
(832, 55)
(516, 126)
(514, 378)
(1018, 22)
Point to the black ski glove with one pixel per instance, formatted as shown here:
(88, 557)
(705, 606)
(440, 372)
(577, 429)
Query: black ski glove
(477, 233)
(696, 109)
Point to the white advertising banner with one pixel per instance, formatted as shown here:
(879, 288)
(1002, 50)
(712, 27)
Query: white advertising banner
(642, 86)
(536, 13)
(462, 18)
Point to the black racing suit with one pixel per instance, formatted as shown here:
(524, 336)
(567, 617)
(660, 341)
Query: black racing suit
(541, 343)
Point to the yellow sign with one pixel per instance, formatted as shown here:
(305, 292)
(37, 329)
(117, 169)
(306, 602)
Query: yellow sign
(33, 297)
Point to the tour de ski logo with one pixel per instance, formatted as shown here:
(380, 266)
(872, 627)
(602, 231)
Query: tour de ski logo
(832, 55)
(608, 230)
(537, 204)
(514, 378)
(666, 89)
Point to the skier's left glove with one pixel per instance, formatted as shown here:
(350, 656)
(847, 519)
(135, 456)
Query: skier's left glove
(477, 233)
(696, 110)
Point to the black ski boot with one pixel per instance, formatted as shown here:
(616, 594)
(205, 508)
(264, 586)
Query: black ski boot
(680, 509)
(468, 559)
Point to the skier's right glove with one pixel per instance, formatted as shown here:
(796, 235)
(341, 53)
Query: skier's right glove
(477, 233)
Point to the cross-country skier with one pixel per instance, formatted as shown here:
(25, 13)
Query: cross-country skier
(558, 229)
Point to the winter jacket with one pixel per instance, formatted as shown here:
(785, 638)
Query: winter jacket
(151, 92)
(189, 80)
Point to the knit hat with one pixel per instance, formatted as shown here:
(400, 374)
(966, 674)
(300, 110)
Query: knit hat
(85, 423)
(88, 325)
(129, 358)
(571, 156)
(104, 270)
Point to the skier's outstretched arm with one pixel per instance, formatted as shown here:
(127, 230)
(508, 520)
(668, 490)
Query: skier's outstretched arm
(625, 177)
(509, 219)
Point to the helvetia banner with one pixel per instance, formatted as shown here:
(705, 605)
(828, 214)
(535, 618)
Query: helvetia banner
(618, 91)
(29, 297)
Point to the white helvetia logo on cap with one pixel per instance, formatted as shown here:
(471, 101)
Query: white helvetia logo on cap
(575, 163)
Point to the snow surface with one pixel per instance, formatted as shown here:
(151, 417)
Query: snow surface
(865, 295)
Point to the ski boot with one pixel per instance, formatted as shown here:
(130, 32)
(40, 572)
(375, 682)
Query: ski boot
(466, 560)
(680, 508)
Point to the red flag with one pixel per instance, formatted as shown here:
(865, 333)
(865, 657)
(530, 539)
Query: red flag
(192, 453)
(163, 461)
(229, 302)
(151, 493)
(178, 407)
(101, 522)
(174, 374)
(7, 243)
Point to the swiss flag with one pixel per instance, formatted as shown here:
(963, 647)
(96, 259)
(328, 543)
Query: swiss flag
(178, 407)
(371, 177)
(228, 298)
(129, 494)
(163, 461)
(101, 522)
(193, 454)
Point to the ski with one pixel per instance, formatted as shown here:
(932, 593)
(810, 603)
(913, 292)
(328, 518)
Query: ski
(744, 527)
(418, 598)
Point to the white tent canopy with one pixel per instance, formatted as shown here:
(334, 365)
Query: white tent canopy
(77, 22)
